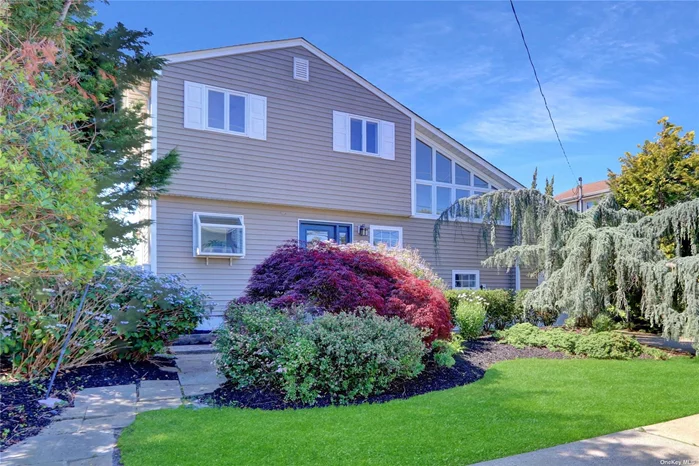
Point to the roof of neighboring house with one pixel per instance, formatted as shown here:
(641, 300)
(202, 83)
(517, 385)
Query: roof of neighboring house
(589, 189)
(301, 42)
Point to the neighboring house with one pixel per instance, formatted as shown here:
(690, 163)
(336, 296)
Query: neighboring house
(280, 141)
(592, 193)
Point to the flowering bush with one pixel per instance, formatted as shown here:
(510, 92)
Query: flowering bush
(406, 257)
(336, 279)
(470, 316)
(127, 313)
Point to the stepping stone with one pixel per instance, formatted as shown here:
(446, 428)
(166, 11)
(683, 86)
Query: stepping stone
(56, 448)
(159, 389)
(171, 403)
(192, 349)
(201, 378)
(71, 413)
(107, 424)
(102, 460)
(68, 426)
(119, 394)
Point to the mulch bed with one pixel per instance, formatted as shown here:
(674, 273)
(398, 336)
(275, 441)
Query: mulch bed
(22, 416)
(470, 366)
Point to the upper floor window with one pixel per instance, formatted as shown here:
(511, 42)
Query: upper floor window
(363, 135)
(224, 110)
(441, 181)
(392, 237)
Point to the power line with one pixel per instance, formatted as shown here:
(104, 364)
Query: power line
(541, 91)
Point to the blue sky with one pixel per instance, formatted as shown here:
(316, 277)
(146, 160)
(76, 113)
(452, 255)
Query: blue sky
(609, 70)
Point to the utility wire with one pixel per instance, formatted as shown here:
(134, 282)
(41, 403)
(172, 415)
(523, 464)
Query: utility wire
(541, 91)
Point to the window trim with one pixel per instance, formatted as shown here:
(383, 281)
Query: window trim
(373, 228)
(196, 234)
(226, 110)
(364, 121)
(454, 273)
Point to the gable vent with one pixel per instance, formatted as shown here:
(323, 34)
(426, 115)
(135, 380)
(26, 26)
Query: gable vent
(300, 69)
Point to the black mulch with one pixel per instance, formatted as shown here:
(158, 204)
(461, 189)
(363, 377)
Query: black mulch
(470, 366)
(22, 416)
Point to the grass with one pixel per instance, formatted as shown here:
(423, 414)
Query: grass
(519, 406)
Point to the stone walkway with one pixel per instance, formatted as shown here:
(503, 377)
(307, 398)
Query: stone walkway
(86, 434)
(674, 442)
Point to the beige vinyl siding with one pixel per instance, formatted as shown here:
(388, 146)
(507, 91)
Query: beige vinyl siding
(268, 226)
(295, 165)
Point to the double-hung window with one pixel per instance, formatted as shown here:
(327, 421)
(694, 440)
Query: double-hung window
(219, 235)
(363, 135)
(392, 237)
(224, 111)
(441, 181)
(465, 279)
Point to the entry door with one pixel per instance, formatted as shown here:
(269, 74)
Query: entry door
(316, 231)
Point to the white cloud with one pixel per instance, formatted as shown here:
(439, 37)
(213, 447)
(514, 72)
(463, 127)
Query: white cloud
(579, 107)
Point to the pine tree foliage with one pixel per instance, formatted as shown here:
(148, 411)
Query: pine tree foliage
(664, 172)
(110, 63)
(604, 256)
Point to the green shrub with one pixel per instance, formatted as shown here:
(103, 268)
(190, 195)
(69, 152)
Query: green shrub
(348, 356)
(470, 317)
(443, 351)
(533, 315)
(344, 356)
(655, 353)
(560, 340)
(251, 341)
(608, 345)
(604, 323)
(522, 335)
(499, 305)
(128, 313)
(155, 309)
(453, 297)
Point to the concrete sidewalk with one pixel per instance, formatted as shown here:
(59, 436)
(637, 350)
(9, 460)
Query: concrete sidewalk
(673, 443)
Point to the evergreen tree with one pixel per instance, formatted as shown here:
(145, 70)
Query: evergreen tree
(108, 64)
(665, 172)
(104, 65)
(534, 178)
(549, 187)
(607, 255)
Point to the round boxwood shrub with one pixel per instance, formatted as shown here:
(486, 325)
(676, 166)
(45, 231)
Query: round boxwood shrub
(348, 356)
(335, 279)
(342, 356)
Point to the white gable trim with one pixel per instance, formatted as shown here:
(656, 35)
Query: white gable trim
(300, 42)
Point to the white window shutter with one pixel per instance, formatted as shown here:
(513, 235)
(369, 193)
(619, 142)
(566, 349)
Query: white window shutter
(256, 121)
(388, 140)
(340, 131)
(193, 105)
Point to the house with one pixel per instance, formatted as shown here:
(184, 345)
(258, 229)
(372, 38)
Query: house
(280, 141)
(592, 193)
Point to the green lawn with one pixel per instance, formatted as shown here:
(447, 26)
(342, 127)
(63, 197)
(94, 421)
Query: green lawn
(518, 406)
